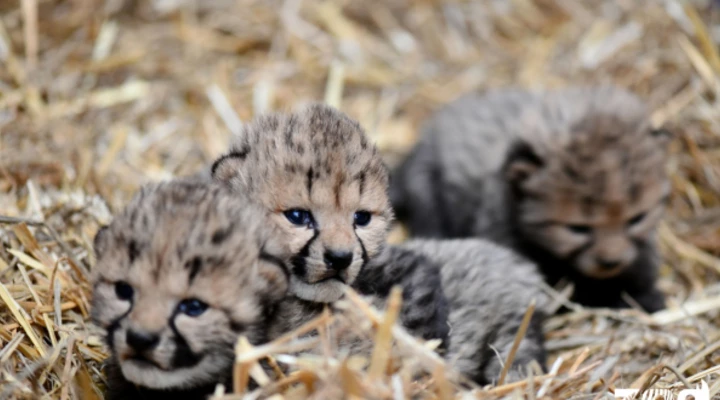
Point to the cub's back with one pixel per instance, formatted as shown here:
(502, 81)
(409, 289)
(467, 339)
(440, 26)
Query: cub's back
(473, 134)
(495, 274)
(488, 290)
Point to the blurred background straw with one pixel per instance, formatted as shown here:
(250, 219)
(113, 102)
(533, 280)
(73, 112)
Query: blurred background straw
(98, 97)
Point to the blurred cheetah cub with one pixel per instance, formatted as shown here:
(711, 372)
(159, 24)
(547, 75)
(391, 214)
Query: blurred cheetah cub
(182, 272)
(573, 179)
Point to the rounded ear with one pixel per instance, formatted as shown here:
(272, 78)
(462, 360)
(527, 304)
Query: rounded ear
(100, 241)
(228, 166)
(521, 162)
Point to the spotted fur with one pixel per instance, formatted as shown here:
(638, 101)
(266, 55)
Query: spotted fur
(316, 161)
(573, 179)
(307, 161)
(175, 244)
(486, 290)
(425, 308)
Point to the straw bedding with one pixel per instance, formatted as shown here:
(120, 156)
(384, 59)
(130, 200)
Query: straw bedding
(99, 97)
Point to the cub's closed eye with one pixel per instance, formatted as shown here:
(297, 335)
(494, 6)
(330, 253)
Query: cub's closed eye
(636, 219)
(299, 217)
(579, 229)
(123, 290)
(362, 218)
(192, 307)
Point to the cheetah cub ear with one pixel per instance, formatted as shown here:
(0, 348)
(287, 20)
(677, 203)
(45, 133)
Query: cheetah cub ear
(228, 167)
(521, 162)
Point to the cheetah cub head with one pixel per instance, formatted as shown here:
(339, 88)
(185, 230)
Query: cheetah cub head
(594, 197)
(181, 273)
(324, 184)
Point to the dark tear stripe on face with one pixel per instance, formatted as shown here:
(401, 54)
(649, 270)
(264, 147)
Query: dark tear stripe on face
(365, 257)
(298, 261)
(114, 325)
(183, 355)
(241, 154)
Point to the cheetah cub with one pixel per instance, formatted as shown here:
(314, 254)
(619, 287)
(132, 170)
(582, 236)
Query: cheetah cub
(181, 273)
(325, 186)
(574, 179)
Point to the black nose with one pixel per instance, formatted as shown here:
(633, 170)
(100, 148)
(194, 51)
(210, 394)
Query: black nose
(338, 260)
(609, 264)
(141, 341)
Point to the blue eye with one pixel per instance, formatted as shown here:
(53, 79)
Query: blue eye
(580, 229)
(123, 290)
(192, 307)
(362, 218)
(299, 217)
